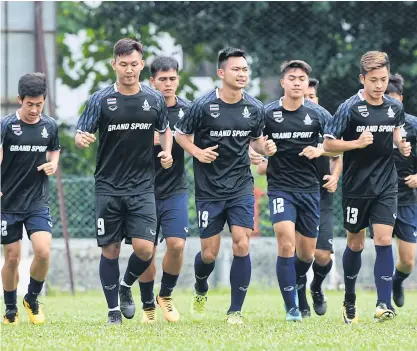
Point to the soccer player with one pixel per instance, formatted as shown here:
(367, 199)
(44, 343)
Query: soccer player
(171, 200)
(329, 169)
(224, 122)
(405, 229)
(369, 123)
(295, 125)
(126, 114)
(29, 154)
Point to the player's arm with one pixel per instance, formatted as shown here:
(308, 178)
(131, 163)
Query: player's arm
(88, 123)
(254, 157)
(312, 152)
(403, 146)
(165, 140)
(336, 165)
(184, 134)
(52, 155)
(261, 168)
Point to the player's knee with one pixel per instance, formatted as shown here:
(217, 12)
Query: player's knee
(384, 240)
(322, 257)
(176, 247)
(286, 249)
(208, 255)
(12, 261)
(42, 254)
(111, 251)
(407, 261)
(241, 247)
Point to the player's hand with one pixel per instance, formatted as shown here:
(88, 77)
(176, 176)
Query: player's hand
(207, 155)
(49, 168)
(311, 152)
(270, 148)
(166, 159)
(331, 184)
(411, 181)
(365, 139)
(405, 148)
(84, 139)
(255, 158)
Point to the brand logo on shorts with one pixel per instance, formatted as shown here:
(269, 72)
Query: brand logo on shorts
(186, 229)
(415, 234)
(153, 232)
(330, 241)
(386, 278)
(394, 215)
(50, 223)
(289, 288)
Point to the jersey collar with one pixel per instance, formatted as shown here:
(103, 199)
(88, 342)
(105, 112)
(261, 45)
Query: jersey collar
(117, 90)
(18, 116)
(360, 94)
(218, 95)
(281, 99)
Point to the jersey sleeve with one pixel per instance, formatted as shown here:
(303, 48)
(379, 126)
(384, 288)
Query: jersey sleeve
(54, 141)
(4, 124)
(162, 122)
(400, 117)
(90, 117)
(188, 123)
(324, 118)
(336, 126)
(257, 130)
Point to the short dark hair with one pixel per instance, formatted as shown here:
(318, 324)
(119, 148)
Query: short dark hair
(293, 64)
(313, 83)
(126, 46)
(229, 52)
(374, 60)
(164, 64)
(396, 84)
(32, 84)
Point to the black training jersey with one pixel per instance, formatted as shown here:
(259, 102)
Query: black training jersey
(370, 171)
(292, 131)
(323, 166)
(126, 125)
(230, 126)
(407, 165)
(172, 181)
(24, 149)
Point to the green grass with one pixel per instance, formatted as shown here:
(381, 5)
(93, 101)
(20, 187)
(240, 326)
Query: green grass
(78, 323)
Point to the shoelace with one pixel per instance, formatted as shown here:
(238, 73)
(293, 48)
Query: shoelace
(168, 303)
(200, 300)
(150, 313)
(11, 316)
(34, 306)
(127, 295)
(350, 310)
(318, 297)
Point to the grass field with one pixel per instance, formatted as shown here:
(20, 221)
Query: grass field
(78, 323)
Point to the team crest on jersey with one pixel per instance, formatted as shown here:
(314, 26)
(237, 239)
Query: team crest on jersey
(44, 133)
(363, 109)
(111, 103)
(17, 129)
(246, 113)
(278, 116)
(181, 113)
(307, 120)
(390, 112)
(214, 107)
(146, 106)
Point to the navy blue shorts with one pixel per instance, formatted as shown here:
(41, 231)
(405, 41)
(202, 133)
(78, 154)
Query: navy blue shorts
(405, 227)
(212, 215)
(301, 208)
(125, 217)
(172, 217)
(34, 221)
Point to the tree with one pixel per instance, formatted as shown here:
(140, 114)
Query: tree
(331, 36)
